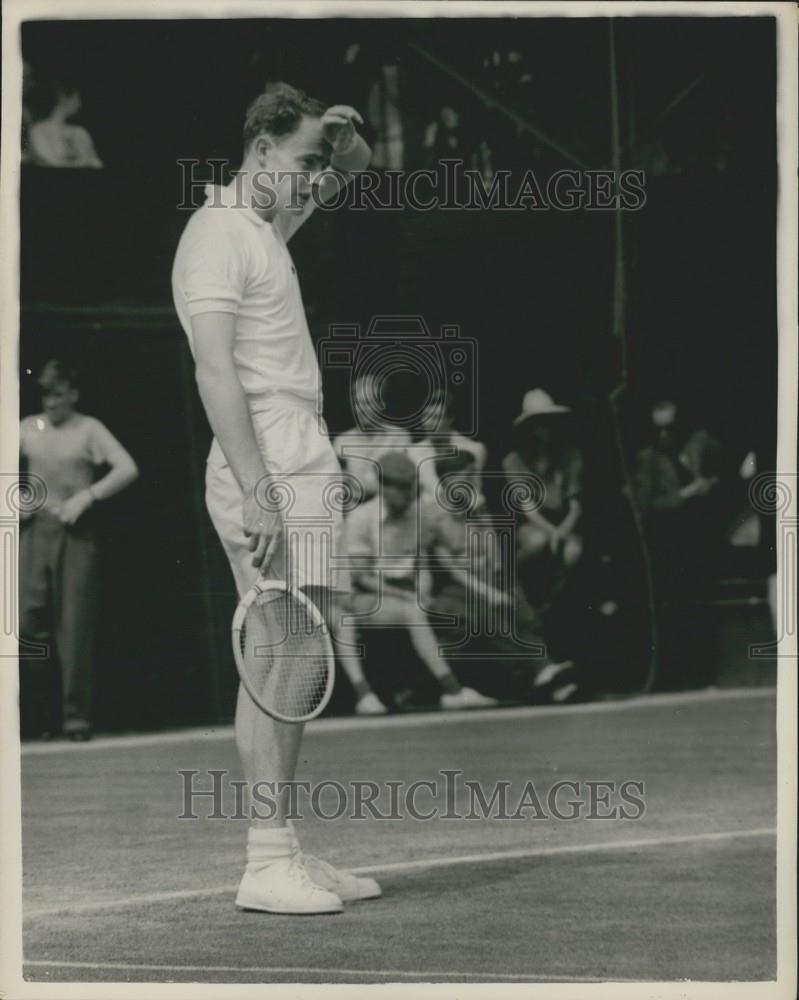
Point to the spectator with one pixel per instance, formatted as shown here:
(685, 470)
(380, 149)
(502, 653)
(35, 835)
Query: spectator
(383, 110)
(674, 467)
(745, 531)
(53, 140)
(389, 534)
(494, 620)
(58, 548)
(359, 448)
(676, 482)
(549, 542)
(442, 137)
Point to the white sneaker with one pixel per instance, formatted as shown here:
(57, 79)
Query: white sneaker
(466, 698)
(283, 886)
(370, 704)
(547, 674)
(563, 694)
(348, 887)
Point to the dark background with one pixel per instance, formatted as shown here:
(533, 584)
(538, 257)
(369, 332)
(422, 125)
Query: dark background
(532, 290)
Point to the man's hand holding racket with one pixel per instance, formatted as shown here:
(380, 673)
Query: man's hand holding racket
(263, 529)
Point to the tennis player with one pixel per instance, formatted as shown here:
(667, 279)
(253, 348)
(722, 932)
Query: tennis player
(238, 299)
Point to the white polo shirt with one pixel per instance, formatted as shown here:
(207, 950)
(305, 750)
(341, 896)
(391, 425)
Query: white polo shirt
(231, 260)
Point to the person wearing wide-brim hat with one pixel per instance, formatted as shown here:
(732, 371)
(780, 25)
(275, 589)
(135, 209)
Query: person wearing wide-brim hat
(536, 404)
(542, 450)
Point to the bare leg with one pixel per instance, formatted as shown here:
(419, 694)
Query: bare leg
(345, 640)
(350, 661)
(268, 750)
(425, 643)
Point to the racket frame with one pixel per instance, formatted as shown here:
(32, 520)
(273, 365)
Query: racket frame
(260, 587)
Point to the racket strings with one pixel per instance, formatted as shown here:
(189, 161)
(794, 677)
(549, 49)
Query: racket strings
(285, 652)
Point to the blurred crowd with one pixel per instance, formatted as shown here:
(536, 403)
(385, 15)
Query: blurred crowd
(499, 600)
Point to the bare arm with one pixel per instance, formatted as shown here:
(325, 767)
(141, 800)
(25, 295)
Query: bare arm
(354, 160)
(538, 519)
(224, 398)
(573, 476)
(92, 159)
(699, 487)
(229, 416)
(569, 523)
(361, 549)
(106, 450)
(122, 473)
(466, 579)
(350, 155)
(24, 463)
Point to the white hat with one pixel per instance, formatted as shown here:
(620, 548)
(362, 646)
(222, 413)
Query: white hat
(538, 403)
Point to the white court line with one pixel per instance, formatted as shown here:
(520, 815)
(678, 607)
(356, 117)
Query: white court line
(409, 721)
(145, 899)
(291, 970)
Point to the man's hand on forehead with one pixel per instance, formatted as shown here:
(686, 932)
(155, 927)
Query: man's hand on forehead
(338, 127)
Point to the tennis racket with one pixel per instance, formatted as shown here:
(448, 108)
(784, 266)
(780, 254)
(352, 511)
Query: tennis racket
(283, 652)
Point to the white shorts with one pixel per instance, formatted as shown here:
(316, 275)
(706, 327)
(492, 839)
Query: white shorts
(305, 487)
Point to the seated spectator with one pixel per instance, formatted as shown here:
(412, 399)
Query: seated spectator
(388, 535)
(497, 630)
(53, 141)
(358, 449)
(674, 466)
(550, 534)
(442, 440)
(676, 477)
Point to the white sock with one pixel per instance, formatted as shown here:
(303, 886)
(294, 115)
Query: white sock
(265, 845)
